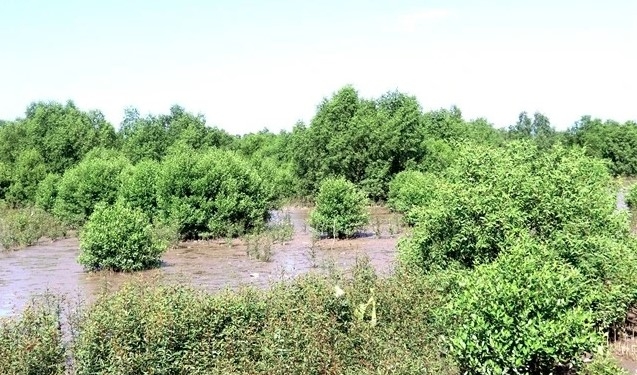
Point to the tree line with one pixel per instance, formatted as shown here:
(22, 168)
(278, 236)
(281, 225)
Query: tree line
(366, 141)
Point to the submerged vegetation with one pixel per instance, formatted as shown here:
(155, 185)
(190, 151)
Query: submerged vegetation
(517, 260)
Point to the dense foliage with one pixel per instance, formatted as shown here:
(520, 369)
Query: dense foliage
(525, 313)
(412, 189)
(545, 255)
(151, 137)
(119, 238)
(341, 210)
(32, 344)
(492, 196)
(610, 140)
(138, 186)
(94, 180)
(211, 194)
(518, 258)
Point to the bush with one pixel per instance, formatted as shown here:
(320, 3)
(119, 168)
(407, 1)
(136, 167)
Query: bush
(340, 209)
(138, 186)
(32, 344)
(493, 196)
(95, 179)
(5, 179)
(296, 327)
(411, 189)
(119, 238)
(168, 330)
(279, 178)
(526, 313)
(28, 170)
(47, 192)
(211, 194)
(25, 226)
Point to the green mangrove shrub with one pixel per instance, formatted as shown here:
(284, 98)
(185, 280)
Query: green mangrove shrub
(119, 238)
(340, 209)
(95, 179)
(211, 194)
(492, 196)
(138, 186)
(412, 189)
(47, 192)
(525, 313)
(33, 342)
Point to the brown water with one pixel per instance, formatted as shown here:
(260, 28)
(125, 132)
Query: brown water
(211, 265)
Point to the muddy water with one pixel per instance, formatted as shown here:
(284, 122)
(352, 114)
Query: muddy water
(211, 265)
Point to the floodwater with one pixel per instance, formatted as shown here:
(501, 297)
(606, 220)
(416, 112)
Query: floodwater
(211, 265)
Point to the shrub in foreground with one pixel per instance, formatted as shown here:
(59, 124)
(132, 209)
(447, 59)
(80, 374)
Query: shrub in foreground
(340, 209)
(119, 238)
(297, 327)
(526, 313)
(32, 344)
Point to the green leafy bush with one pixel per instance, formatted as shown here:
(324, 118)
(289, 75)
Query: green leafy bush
(168, 329)
(47, 192)
(492, 196)
(28, 170)
(5, 179)
(211, 194)
(297, 327)
(526, 313)
(32, 343)
(340, 209)
(119, 238)
(138, 186)
(411, 189)
(95, 179)
(279, 179)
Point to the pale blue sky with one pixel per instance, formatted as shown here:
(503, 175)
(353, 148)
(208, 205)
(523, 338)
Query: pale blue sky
(247, 65)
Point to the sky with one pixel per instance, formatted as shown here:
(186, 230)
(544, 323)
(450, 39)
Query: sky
(250, 65)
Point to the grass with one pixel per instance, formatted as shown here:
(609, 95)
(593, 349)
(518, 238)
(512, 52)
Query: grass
(23, 227)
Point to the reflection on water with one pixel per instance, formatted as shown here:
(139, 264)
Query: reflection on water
(211, 265)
